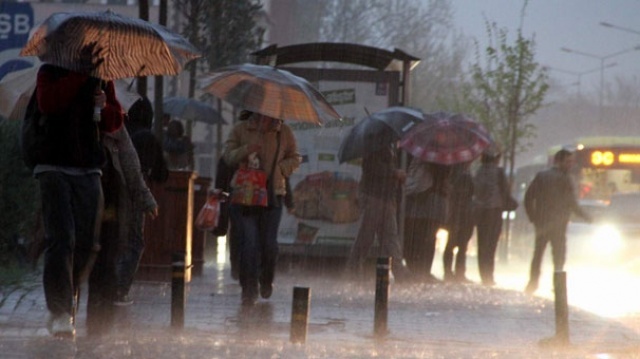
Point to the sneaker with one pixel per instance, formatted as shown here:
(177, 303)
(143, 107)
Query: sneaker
(123, 301)
(61, 325)
(266, 290)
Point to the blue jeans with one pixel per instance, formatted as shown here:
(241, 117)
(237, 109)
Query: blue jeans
(71, 208)
(256, 230)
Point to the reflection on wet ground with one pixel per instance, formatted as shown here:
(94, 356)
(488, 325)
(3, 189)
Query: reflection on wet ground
(443, 320)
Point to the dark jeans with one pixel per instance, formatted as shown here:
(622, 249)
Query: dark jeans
(71, 208)
(489, 225)
(102, 282)
(556, 234)
(256, 230)
(459, 236)
(130, 253)
(420, 245)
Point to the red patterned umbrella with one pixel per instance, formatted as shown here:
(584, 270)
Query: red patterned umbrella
(446, 138)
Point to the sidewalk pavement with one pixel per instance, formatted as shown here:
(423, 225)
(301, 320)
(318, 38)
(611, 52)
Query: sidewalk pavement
(424, 321)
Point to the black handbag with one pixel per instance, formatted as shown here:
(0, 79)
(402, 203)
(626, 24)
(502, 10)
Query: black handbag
(509, 203)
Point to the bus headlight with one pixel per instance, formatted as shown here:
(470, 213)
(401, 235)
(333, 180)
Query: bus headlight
(607, 239)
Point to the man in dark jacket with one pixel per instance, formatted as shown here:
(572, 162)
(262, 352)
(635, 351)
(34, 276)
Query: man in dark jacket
(549, 202)
(69, 169)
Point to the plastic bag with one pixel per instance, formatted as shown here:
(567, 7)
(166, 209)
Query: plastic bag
(208, 216)
(249, 187)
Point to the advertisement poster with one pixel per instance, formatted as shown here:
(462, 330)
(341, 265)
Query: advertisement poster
(327, 213)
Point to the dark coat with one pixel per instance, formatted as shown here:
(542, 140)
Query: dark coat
(550, 199)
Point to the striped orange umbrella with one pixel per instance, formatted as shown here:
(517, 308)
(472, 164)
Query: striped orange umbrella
(271, 92)
(109, 46)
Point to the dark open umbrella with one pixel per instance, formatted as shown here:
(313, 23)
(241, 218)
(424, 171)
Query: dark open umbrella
(190, 109)
(109, 46)
(378, 130)
(446, 138)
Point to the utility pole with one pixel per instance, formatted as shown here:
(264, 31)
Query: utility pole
(143, 13)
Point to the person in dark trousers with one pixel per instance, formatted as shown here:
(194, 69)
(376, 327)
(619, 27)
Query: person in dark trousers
(460, 224)
(549, 202)
(69, 174)
(427, 208)
(379, 185)
(153, 169)
(126, 198)
(488, 207)
(254, 227)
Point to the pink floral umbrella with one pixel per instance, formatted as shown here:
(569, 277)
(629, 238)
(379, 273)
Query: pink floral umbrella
(446, 138)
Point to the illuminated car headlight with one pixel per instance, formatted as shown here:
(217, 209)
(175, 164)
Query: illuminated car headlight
(607, 239)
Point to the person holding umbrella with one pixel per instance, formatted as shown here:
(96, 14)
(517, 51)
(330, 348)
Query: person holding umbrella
(379, 188)
(255, 227)
(69, 170)
(460, 224)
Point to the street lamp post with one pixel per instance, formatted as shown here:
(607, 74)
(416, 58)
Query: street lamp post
(606, 24)
(579, 74)
(602, 67)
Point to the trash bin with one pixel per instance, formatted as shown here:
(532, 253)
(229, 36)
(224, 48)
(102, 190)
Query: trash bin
(171, 231)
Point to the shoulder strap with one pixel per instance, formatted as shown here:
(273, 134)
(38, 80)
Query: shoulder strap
(275, 159)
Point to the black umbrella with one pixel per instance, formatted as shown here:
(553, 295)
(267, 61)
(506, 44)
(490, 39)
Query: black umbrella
(378, 130)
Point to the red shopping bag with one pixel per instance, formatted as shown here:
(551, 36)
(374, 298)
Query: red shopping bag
(249, 187)
(208, 216)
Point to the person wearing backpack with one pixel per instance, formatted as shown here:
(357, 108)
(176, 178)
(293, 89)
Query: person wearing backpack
(68, 166)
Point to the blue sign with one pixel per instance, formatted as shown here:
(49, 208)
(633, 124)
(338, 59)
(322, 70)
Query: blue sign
(16, 20)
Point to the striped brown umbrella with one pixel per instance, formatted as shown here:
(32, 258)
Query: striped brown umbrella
(269, 91)
(109, 46)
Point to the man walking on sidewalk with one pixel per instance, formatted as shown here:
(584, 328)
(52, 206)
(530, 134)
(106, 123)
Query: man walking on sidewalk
(549, 201)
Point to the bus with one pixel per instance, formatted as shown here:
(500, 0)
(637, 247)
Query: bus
(605, 166)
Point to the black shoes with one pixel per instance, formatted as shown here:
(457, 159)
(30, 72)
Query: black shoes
(266, 290)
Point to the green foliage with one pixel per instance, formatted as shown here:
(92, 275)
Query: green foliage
(231, 31)
(506, 90)
(18, 192)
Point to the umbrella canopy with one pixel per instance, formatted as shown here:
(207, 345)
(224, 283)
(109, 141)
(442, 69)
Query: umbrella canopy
(446, 139)
(109, 46)
(17, 87)
(190, 109)
(378, 130)
(269, 91)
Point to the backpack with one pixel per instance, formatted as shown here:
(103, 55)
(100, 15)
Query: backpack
(33, 137)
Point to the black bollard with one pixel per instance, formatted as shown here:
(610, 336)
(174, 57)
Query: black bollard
(383, 267)
(178, 294)
(562, 307)
(300, 314)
